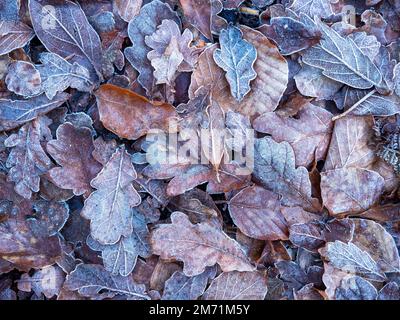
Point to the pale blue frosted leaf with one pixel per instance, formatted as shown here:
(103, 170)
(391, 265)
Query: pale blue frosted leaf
(58, 74)
(236, 57)
(342, 60)
(320, 8)
(274, 168)
(145, 24)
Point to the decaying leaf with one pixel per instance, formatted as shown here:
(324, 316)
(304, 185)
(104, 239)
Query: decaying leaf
(57, 74)
(90, 279)
(198, 13)
(73, 151)
(128, 9)
(236, 57)
(342, 60)
(110, 207)
(349, 258)
(14, 35)
(130, 115)
(310, 143)
(65, 30)
(274, 168)
(237, 286)
(23, 79)
(27, 158)
(349, 190)
(145, 24)
(256, 212)
(14, 113)
(198, 246)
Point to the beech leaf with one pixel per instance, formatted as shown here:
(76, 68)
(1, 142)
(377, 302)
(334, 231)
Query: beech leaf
(130, 115)
(348, 257)
(256, 213)
(274, 168)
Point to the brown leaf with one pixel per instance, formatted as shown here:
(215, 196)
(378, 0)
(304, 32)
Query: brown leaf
(309, 133)
(350, 190)
(109, 207)
(198, 13)
(21, 247)
(274, 169)
(73, 151)
(256, 212)
(198, 246)
(266, 90)
(237, 286)
(350, 144)
(130, 115)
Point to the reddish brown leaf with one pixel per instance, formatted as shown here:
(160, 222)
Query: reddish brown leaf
(130, 115)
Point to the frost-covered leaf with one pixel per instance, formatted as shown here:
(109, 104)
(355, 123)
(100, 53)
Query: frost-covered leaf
(14, 113)
(349, 258)
(23, 79)
(256, 212)
(367, 102)
(306, 235)
(171, 52)
(182, 287)
(198, 246)
(236, 57)
(319, 8)
(90, 279)
(14, 35)
(290, 35)
(309, 133)
(355, 288)
(64, 29)
(72, 150)
(128, 9)
(266, 89)
(21, 247)
(48, 281)
(145, 24)
(27, 158)
(311, 82)
(198, 13)
(274, 168)
(130, 115)
(121, 258)
(237, 286)
(110, 207)
(350, 146)
(58, 74)
(350, 189)
(342, 60)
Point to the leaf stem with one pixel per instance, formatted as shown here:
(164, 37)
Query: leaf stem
(354, 106)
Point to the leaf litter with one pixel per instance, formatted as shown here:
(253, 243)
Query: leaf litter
(186, 149)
